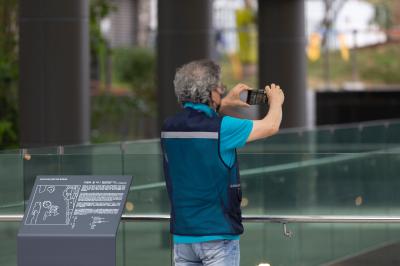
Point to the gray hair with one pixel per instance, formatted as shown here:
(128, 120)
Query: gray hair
(194, 81)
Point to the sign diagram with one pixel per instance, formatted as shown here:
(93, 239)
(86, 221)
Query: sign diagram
(53, 205)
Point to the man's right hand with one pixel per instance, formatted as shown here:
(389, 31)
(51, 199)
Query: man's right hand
(232, 99)
(275, 94)
(270, 124)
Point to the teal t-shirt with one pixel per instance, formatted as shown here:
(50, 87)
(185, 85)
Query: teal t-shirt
(233, 134)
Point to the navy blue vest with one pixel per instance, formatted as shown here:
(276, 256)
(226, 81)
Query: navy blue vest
(204, 192)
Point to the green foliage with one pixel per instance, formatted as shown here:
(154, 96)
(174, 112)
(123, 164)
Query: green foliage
(383, 65)
(131, 115)
(375, 65)
(8, 75)
(108, 116)
(112, 105)
(7, 133)
(132, 67)
(384, 12)
(136, 67)
(99, 9)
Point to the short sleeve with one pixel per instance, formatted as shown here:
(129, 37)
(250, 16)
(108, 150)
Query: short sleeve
(233, 134)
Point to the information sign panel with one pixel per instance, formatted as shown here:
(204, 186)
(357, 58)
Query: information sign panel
(67, 216)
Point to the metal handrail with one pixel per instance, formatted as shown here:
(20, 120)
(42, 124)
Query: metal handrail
(251, 218)
(11, 217)
(282, 219)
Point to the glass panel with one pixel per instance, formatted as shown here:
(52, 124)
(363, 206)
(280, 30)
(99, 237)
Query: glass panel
(147, 243)
(374, 134)
(318, 244)
(345, 184)
(99, 159)
(331, 139)
(11, 187)
(143, 147)
(16, 151)
(393, 135)
(286, 141)
(39, 161)
(91, 164)
(148, 193)
(8, 243)
(105, 148)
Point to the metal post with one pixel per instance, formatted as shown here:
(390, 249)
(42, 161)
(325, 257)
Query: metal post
(282, 55)
(184, 34)
(54, 72)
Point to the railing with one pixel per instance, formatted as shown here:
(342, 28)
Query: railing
(284, 220)
(252, 218)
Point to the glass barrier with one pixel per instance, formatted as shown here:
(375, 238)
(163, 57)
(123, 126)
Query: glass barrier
(148, 194)
(349, 170)
(360, 137)
(142, 147)
(11, 202)
(11, 187)
(317, 244)
(105, 148)
(8, 243)
(335, 184)
(146, 244)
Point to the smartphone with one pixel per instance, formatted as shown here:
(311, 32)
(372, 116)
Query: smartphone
(256, 97)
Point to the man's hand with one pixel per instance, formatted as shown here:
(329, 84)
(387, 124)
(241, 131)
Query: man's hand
(270, 124)
(275, 94)
(232, 99)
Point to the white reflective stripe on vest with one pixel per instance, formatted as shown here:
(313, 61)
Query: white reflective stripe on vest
(189, 135)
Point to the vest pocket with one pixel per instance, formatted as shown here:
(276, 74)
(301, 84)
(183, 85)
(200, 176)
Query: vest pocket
(235, 198)
(234, 213)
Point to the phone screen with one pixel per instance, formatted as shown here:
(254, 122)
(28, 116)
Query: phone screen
(256, 97)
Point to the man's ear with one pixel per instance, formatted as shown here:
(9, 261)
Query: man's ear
(214, 96)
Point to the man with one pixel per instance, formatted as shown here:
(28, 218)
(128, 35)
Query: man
(200, 164)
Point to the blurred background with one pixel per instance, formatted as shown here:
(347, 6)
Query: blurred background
(351, 46)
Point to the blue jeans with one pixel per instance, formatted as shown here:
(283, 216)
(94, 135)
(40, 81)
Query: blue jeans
(212, 253)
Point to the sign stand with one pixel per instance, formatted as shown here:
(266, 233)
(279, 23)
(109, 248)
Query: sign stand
(72, 220)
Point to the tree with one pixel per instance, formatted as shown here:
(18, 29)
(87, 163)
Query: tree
(8, 74)
(99, 9)
(384, 12)
(332, 8)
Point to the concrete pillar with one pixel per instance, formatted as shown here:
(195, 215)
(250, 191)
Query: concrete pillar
(184, 34)
(54, 72)
(282, 55)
